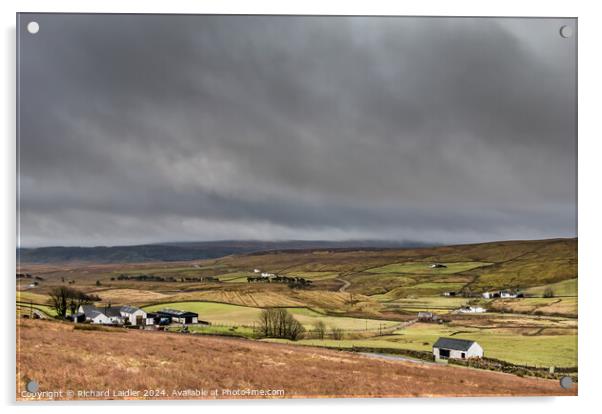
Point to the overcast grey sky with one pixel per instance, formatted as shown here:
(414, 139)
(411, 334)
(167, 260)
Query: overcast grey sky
(141, 129)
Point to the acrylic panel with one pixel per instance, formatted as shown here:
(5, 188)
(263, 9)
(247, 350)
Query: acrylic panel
(253, 206)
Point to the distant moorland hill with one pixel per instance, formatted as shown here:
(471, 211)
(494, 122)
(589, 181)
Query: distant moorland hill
(170, 252)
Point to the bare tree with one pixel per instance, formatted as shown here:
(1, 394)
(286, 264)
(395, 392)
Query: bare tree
(63, 298)
(337, 334)
(279, 323)
(58, 300)
(320, 330)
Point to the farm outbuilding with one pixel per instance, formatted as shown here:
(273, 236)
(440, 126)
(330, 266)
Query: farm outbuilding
(178, 316)
(425, 316)
(135, 316)
(452, 348)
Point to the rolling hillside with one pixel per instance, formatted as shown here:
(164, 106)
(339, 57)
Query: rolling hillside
(120, 360)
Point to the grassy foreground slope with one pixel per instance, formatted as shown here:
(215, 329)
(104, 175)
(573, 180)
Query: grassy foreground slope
(140, 360)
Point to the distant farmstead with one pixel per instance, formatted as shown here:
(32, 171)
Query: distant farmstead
(108, 315)
(130, 315)
(452, 348)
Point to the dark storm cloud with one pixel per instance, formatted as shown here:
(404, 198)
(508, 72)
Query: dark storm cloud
(152, 128)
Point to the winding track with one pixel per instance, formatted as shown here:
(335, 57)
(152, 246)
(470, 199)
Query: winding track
(346, 284)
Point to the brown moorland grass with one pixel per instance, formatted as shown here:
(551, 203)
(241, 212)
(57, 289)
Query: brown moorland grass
(61, 358)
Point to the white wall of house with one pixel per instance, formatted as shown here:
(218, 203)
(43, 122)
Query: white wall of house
(102, 319)
(475, 351)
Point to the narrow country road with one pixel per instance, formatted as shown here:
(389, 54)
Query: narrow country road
(346, 284)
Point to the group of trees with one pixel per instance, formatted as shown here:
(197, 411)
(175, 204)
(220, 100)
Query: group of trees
(155, 278)
(279, 323)
(293, 282)
(64, 298)
(319, 331)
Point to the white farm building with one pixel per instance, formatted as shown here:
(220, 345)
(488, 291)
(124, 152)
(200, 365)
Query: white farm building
(113, 315)
(452, 348)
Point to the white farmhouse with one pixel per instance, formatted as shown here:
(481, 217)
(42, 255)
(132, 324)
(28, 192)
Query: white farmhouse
(452, 348)
(113, 315)
(94, 315)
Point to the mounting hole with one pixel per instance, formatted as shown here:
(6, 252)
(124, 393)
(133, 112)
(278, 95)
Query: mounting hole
(566, 382)
(33, 27)
(566, 31)
(32, 386)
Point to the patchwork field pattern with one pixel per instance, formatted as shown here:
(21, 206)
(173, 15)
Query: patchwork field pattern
(366, 299)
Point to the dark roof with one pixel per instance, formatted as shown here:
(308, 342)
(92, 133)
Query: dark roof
(90, 311)
(129, 309)
(113, 311)
(176, 313)
(453, 343)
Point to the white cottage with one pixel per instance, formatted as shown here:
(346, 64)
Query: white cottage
(452, 348)
(94, 315)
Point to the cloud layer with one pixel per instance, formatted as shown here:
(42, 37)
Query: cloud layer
(155, 128)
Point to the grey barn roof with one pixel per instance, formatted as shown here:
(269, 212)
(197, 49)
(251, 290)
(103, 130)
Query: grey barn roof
(129, 309)
(114, 311)
(176, 313)
(452, 343)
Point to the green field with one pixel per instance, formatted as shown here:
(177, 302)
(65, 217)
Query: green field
(46, 309)
(424, 268)
(564, 288)
(312, 275)
(234, 277)
(546, 306)
(216, 313)
(514, 347)
(234, 315)
(437, 304)
(310, 318)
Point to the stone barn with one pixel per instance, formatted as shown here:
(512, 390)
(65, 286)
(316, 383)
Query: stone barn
(452, 348)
